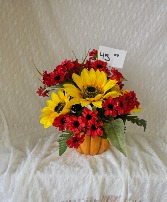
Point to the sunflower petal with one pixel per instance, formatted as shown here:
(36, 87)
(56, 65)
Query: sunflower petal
(92, 77)
(109, 85)
(72, 90)
(84, 102)
(54, 96)
(78, 80)
(97, 104)
(101, 78)
(136, 109)
(112, 94)
(85, 77)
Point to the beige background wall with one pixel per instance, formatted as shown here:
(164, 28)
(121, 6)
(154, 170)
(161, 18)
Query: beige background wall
(48, 31)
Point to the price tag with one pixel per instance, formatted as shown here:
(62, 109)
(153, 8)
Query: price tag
(114, 57)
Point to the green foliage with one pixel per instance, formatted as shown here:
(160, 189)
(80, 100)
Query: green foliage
(62, 142)
(115, 134)
(136, 120)
(57, 86)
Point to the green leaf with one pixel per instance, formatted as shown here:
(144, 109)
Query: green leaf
(53, 87)
(62, 142)
(115, 134)
(136, 120)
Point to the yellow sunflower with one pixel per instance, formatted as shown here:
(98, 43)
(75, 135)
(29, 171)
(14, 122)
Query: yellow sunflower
(92, 87)
(58, 105)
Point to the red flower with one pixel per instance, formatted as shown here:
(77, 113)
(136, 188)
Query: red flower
(93, 54)
(46, 78)
(67, 64)
(88, 64)
(75, 141)
(127, 102)
(74, 68)
(101, 66)
(75, 124)
(53, 78)
(60, 122)
(94, 129)
(110, 107)
(41, 92)
(89, 115)
(116, 75)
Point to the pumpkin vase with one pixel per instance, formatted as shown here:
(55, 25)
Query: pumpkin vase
(93, 146)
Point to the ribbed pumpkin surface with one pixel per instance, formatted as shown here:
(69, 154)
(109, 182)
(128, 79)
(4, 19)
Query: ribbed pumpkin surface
(93, 146)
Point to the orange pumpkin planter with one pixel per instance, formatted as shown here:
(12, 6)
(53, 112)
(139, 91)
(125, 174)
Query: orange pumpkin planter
(93, 146)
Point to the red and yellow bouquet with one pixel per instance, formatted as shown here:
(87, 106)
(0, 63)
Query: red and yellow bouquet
(88, 104)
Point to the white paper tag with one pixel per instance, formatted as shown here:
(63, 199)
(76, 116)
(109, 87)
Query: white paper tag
(114, 57)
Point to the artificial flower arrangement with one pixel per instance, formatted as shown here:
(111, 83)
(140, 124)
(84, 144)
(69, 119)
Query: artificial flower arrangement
(88, 104)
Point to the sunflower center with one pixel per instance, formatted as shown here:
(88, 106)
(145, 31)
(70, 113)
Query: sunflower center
(57, 78)
(76, 124)
(110, 106)
(59, 107)
(90, 92)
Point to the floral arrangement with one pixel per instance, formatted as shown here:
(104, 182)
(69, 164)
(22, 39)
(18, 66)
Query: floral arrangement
(88, 99)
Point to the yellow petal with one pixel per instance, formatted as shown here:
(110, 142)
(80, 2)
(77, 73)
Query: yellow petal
(136, 109)
(101, 78)
(112, 94)
(78, 80)
(109, 85)
(97, 104)
(74, 101)
(51, 104)
(72, 90)
(92, 77)
(61, 95)
(84, 102)
(85, 77)
(54, 96)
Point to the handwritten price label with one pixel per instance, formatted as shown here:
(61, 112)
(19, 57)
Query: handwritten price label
(114, 57)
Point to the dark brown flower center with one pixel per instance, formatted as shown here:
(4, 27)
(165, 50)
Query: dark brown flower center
(99, 66)
(110, 106)
(59, 107)
(76, 124)
(91, 92)
(57, 78)
(75, 139)
(93, 127)
(63, 121)
(88, 117)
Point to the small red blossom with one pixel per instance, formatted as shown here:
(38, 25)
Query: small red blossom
(101, 66)
(94, 129)
(116, 75)
(75, 141)
(88, 64)
(53, 78)
(60, 122)
(74, 68)
(75, 124)
(110, 107)
(93, 54)
(89, 116)
(67, 64)
(126, 103)
(41, 92)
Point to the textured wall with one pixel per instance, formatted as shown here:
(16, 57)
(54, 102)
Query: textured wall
(47, 32)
